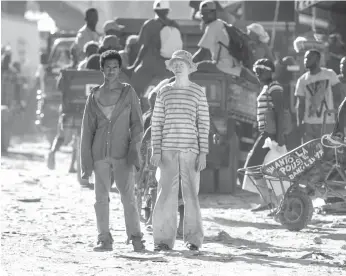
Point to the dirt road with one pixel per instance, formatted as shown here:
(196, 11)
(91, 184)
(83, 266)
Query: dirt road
(48, 228)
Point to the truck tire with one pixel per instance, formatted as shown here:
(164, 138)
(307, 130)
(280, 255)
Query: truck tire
(297, 211)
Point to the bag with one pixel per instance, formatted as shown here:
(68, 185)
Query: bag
(171, 41)
(239, 45)
(273, 154)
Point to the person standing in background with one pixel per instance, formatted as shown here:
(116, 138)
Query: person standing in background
(338, 134)
(317, 90)
(270, 100)
(87, 32)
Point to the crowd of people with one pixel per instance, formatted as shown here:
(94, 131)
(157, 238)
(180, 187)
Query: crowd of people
(167, 145)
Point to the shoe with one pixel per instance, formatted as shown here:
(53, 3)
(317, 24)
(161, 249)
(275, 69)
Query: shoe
(51, 160)
(103, 246)
(191, 246)
(161, 247)
(138, 244)
(265, 207)
(335, 140)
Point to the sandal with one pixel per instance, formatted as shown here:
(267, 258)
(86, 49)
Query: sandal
(191, 246)
(161, 247)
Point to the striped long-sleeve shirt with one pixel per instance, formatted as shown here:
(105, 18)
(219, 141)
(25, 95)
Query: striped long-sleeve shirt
(180, 120)
(265, 102)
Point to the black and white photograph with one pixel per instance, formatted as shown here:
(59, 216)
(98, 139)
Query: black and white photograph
(173, 137)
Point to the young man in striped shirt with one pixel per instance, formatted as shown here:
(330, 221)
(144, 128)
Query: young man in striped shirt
(180, 130)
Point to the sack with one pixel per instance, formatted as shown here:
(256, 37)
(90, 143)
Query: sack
(239, 45)
(171, 41)
(275, 152)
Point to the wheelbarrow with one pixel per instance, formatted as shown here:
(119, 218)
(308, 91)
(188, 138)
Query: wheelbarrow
(306, 171)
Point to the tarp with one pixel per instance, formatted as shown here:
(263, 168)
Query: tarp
(334, 6)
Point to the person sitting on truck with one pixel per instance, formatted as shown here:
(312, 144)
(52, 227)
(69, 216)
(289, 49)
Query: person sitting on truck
(112, 27)
(90, 48)
(87, 32)
(127, 54)
(210, 48)
(109, 42)
(270, 98)
(317, 90)
(159, 37)
(93, 62)
(259, 38)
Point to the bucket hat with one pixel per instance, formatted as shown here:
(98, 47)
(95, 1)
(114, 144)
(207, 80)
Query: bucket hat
(184, 56)
(258, 29)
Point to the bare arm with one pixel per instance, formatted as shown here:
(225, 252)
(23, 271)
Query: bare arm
(143, 38)
(300, 107)
(278, 102)
(338, 94)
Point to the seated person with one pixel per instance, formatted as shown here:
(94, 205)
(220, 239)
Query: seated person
(89, 49)
(259, 38)
(159, 37)
(210, 48)
(129, 50)
(93, 62)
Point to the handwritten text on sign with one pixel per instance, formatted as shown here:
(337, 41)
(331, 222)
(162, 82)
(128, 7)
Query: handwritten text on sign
(295, 162)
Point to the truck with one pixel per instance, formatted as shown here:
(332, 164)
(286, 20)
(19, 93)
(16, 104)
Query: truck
(49, 99)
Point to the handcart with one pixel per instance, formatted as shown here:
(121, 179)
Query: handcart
(308, 168)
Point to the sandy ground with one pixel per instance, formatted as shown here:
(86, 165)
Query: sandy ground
(55, 235)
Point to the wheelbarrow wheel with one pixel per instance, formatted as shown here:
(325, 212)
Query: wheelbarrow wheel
(297, 211)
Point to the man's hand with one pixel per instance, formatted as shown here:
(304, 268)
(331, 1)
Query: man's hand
(155, 160)
(86, 175)
(201, 162)
(133, 156)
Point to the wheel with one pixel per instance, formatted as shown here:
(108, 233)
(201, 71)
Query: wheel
(297, 211)
(81, 181)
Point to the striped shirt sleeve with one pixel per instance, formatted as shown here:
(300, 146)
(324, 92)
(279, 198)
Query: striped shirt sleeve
(157, 122)
(203, 124)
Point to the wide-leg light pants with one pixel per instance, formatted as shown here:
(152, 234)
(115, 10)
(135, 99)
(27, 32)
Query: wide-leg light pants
(124, 180)
(173, 164)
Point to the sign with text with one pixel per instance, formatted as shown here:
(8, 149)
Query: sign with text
(296, 162)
